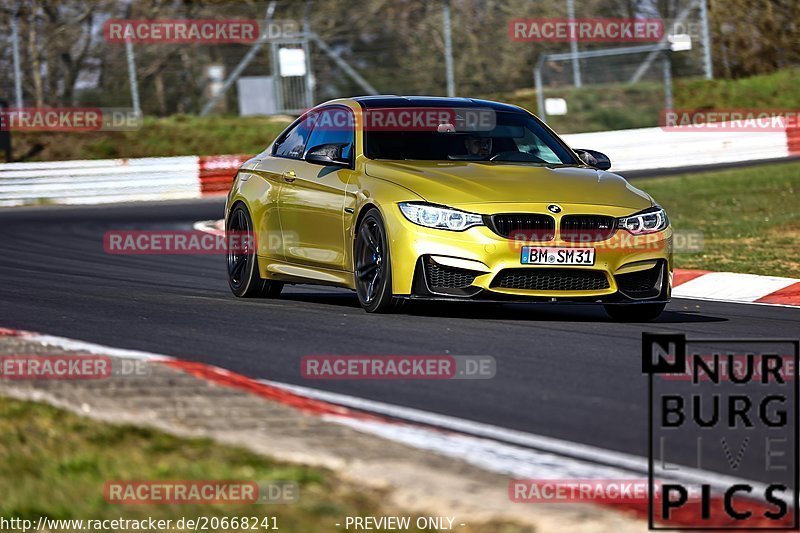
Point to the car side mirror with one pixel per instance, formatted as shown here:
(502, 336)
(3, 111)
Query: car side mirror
(328, 155)
(593, 158)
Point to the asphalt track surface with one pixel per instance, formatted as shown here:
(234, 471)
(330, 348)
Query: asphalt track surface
(562, 371)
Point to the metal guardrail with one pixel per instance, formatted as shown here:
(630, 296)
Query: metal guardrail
(657, 148)
(99, 181)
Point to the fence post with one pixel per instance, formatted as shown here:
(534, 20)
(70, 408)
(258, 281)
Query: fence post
(667, 82)
(707, 63)
(448, 49)
(137, 106)
(15, 54)
(573, 46)
(537, 76)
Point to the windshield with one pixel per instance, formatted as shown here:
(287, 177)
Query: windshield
(516, 137)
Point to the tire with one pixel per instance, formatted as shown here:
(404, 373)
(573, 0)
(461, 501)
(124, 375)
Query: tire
(372, 267)
(635, 312)
(243, 276)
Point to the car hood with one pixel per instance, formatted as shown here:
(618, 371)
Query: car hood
(461, 183)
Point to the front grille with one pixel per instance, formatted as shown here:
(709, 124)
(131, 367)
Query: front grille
(524, 226)
(445, 277)
(587, 228)
(551, 279)
(641, 283)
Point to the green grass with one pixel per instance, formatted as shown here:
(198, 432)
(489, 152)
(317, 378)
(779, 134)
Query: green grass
(599, 107)
(171, 136)
(749, 217)
(767, 91)
(55, 464)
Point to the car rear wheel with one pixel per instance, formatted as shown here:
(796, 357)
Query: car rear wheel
(373, 269)
(635, 312)
(243, 276)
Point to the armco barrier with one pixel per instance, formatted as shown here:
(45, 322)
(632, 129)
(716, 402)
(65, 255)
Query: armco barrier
(655, 148)
(162, 178)
(217, 172)
(99, 181)
(793, 140)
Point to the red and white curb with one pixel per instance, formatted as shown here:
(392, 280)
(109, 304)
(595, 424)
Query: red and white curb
(733, 287)
(517, 454)
(692, 284)
(215, 227)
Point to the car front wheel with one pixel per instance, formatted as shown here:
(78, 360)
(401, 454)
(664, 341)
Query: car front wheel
(372, 267)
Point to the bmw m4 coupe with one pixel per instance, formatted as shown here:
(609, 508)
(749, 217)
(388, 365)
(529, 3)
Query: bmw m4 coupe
(423, 198)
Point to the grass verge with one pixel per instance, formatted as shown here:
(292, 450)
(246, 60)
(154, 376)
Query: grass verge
(749, 217)
(55, 464)
(158, 137)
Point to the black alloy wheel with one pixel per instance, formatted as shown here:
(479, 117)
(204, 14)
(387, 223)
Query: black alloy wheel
(242, 260)
(373, 269)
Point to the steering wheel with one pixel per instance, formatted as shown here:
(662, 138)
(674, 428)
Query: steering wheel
(514, 155)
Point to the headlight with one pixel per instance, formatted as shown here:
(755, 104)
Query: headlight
(648, 221)
(432, 216)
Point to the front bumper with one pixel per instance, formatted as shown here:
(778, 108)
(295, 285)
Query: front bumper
(478, 264)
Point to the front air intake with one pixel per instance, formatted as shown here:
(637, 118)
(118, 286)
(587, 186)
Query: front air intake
(529, 227)
(551, 279)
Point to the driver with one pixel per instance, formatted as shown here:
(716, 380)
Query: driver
(479, 146)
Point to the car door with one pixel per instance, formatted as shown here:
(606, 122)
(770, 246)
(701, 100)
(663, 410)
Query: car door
(311, 201)
(264, 192)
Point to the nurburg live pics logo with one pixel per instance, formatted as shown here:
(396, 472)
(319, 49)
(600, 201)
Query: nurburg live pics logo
(723, 444)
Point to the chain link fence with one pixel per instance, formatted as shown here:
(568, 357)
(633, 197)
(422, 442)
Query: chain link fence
(66, 60)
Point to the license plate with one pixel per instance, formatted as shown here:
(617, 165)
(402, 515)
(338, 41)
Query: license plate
(534, 255)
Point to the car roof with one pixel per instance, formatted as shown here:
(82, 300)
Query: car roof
(390, 101)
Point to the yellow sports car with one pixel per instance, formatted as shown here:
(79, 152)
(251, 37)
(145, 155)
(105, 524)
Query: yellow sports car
(423, 198)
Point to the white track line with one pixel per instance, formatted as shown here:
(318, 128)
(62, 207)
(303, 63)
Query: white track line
(88, 347)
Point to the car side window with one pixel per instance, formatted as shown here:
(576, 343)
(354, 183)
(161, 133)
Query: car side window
(334, 125)
(531, 144)
(293, 142)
